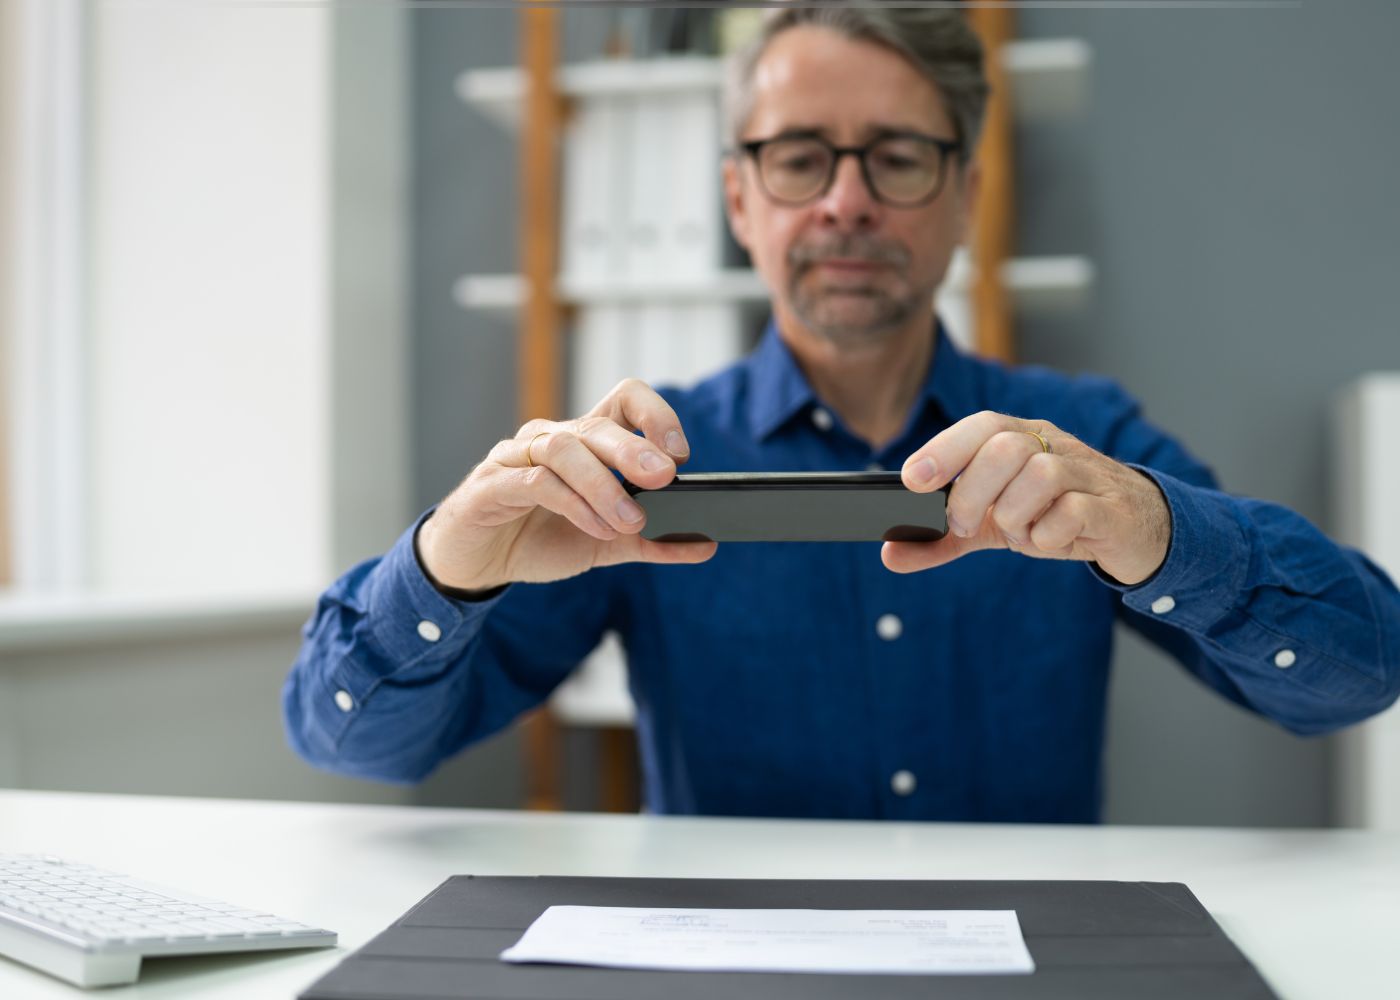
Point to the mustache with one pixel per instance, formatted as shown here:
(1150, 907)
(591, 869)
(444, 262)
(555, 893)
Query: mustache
(863, 248)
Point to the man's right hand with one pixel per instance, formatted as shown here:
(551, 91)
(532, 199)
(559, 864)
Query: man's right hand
(544, 505)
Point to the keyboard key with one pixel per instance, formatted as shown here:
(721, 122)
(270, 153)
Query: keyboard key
(95, 914)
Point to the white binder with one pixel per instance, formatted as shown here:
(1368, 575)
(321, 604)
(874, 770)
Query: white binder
(648, 131)
(692, 237)
(598, 356)
(590, 249)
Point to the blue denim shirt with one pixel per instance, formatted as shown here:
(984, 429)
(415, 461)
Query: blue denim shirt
(763, 683)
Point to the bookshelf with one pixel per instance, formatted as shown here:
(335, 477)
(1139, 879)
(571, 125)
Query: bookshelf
(1035, 284)
(597, 261)
(1046, 78)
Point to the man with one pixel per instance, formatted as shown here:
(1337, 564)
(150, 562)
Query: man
(919, 681)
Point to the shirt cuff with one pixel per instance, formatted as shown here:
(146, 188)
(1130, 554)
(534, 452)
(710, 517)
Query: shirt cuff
(414, 628)
(1203, 574)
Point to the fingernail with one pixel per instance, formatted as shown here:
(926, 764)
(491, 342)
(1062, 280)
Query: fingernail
(923, 471)
(652, 461)
(629, 511)
(676, 444)
(957, 528)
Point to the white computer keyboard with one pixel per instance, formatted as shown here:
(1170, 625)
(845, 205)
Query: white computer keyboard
(92, 927)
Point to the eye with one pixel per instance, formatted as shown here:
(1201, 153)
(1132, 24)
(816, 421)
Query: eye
(797, 161)
(894, 161)
(798, 156)
(900, 156)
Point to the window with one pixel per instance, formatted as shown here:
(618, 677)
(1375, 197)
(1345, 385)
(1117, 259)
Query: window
(187, 351)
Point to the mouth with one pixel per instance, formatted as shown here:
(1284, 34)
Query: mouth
(849, 265)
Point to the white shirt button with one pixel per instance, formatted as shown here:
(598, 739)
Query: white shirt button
(343, 701)
(889, 627)
(1163, 604)
(1285, 658)
(429, 630)
(822, 419)
(903, 782)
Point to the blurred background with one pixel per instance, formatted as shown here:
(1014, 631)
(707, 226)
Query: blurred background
(261, 296)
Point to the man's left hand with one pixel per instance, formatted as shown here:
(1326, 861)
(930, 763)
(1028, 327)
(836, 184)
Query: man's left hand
(1028, 486)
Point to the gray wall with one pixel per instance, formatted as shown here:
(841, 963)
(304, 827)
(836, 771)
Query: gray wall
(464, 217)
(1231, 181)
(166, 709)
(1234, 184)
(463, 369)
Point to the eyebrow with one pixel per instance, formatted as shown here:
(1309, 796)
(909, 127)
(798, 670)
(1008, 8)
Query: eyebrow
(870, 132)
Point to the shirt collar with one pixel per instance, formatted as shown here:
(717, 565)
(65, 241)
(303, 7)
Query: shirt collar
(777, 387)
(778, 390)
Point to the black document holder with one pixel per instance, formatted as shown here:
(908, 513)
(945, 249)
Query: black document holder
(1089, 940)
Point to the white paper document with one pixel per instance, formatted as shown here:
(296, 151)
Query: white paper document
(866, 941)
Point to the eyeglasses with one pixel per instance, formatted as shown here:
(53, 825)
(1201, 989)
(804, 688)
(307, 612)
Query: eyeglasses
(904, 169)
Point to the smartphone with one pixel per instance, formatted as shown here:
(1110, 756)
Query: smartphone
(791, 507)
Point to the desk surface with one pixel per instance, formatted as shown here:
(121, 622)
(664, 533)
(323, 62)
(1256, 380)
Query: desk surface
(1318, 912)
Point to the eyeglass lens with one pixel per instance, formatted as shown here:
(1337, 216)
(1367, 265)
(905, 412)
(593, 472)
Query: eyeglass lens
(902, 170)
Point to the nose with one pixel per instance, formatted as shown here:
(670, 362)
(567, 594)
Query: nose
(848, 203)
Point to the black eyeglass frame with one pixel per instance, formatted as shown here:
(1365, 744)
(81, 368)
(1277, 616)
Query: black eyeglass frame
(946, 148)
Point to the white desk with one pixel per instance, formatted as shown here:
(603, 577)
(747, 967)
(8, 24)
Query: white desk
(1317, 911)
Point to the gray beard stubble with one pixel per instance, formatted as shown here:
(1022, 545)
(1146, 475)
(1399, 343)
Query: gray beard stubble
(890, 312)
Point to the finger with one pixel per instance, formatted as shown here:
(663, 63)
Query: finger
(620, 449)
(635, 548)
(1041, 481)
(936, 463)
(948, 453)
(584, 473)
(1071, 524)
(614, 445)
(512, 491)
(519, 451)
(911, 557)
(637, 406)
(999, 460)
(533, 427)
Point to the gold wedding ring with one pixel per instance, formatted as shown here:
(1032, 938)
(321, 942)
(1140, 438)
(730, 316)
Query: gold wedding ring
(1044, 444)
(529, 459)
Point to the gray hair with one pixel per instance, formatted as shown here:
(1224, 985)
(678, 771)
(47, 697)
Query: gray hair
(936, 41)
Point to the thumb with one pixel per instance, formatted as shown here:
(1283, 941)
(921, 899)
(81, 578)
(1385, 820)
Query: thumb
(910, 557)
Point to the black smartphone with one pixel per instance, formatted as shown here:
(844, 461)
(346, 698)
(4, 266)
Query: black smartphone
(791, 507)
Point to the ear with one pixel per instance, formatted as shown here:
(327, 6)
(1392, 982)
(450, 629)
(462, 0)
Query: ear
(734, 200)
(969, 190)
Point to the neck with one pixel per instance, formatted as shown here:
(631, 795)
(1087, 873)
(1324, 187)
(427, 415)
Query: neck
(870, 386)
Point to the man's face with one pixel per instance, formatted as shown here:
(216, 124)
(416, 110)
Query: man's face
(843, 265)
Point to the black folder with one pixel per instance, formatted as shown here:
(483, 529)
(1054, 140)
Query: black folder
(1089, 940)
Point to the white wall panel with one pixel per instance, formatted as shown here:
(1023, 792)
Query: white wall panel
(1366, 506)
